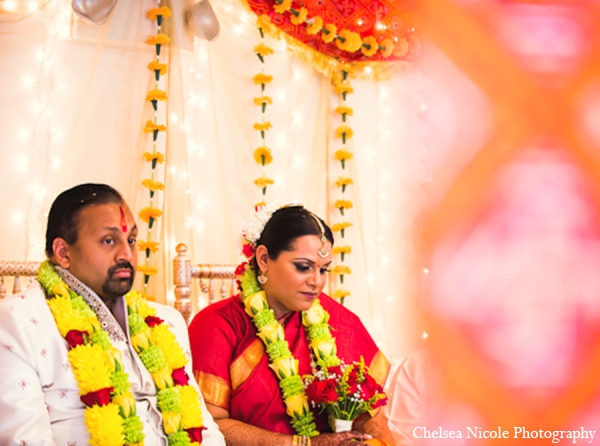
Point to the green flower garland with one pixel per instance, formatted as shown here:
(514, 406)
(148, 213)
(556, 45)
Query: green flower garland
(281, 360)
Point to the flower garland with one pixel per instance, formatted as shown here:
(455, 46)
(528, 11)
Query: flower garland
(262, 155)
(150, 213)
(380, 43)
(344, 132)
(270, 331)
(110, 413)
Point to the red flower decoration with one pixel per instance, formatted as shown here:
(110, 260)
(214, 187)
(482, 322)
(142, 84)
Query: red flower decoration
(76, 337)
(99, 397)
(353, 381)
(153, 321)
(369, 387)
(195, 434)
(248, 250)
(240, 269)
(379, 403)
(335, 370)
(180, 377)
(322, 391)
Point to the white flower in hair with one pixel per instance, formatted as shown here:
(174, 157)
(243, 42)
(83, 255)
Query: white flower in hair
(256, 221)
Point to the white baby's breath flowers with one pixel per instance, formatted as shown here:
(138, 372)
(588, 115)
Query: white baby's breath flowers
(255, 223)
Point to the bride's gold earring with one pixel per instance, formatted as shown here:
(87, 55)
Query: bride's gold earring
(262, 279)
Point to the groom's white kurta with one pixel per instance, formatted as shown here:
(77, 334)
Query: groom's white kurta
(39, 397)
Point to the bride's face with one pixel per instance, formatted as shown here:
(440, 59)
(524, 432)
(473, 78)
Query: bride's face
(296, 277)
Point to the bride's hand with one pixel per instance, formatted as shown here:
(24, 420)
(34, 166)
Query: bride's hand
(349, 438)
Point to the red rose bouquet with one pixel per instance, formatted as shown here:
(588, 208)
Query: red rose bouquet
(345, 391)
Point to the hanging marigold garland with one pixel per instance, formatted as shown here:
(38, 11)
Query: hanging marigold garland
(262, 154)
(151, 213)
(343, 132)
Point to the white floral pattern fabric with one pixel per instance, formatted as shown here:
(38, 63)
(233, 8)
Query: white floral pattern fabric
(39, 397)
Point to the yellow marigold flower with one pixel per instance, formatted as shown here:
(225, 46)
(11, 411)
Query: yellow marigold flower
(283, 6)
(296, 405)
(264, 21)
(151, 127)
(156, 66)
(339, 226)
(263, 181)
(158, 39)
(347, 67)
(344, 88)
(341, 269)
(370, 46)
(314, 27)
(344, 110)
(105, 425)
(191, 416)
(153, 185)
(401, 47)
(341, 293)
(162, 336)
(152, 246)
(156, 95)
(263, 49)
(343, 154)
(171, 422)
(342, 249)
(147, 270)
(387, 47)
(163, 11)
(329, 33)
(263, 100)
(162, 378)
(262, 78)
(159, 157)
(149, 212)
(348, 41)
(300, 18)
(339, 132)
(346, 204)
(262, 126)
(342, 181)
(90, 368)
(67, 318)
(260, 204)
(263, 151)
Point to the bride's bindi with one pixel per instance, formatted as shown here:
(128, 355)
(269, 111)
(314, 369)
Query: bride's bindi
(123, 222)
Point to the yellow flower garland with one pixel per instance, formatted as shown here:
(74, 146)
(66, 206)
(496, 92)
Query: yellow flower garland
(110, 414)
(270, 331)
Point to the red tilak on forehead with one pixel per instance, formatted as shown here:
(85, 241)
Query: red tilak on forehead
(123, 222)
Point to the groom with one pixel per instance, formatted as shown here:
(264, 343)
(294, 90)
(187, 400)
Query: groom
(79, 363)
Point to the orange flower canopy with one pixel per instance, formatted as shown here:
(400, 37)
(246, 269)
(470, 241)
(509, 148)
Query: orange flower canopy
(378, 19)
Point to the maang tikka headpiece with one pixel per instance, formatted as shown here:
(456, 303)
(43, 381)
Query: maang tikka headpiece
(323, 251)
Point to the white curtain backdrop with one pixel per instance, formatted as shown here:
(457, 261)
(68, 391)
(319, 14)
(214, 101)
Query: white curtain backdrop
(73, 109)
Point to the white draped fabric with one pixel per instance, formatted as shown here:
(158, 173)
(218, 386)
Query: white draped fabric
(73, 109)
